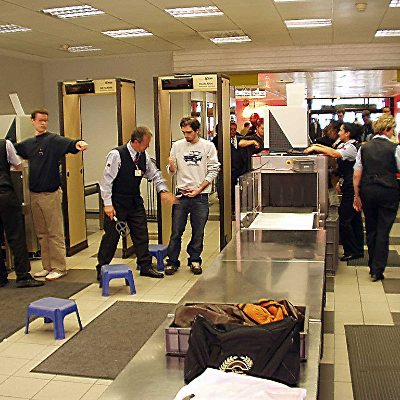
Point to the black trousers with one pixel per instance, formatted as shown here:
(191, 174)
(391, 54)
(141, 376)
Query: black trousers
(137, 222)
(380, 206)
(350, 226)
(13, 225)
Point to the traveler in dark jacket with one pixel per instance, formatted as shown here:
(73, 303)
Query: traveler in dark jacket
(376, 191)
(11, 220)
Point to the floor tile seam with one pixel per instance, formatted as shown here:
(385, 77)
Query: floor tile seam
(359, 292)
(23, 377)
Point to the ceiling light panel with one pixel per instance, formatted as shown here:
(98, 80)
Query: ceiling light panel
(78, 49)
(73, 11)
(308, 23)
(394, 3)
(232, 39)
(123, 33)
(387, 32)
(194, 12)
(11, 28)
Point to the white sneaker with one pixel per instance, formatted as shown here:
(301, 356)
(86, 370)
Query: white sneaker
(41, 274)
(52, 276)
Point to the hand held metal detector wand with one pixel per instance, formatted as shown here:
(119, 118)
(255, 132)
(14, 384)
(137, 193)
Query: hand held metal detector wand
(121, 227)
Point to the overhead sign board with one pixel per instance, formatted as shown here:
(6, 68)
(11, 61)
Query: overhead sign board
(205, 82)
(105, 86)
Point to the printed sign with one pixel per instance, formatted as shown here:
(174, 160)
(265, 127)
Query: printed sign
(249, 93)
(205, 82)
(105, 86)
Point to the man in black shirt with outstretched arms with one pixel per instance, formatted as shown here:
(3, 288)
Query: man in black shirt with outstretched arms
(44, 151)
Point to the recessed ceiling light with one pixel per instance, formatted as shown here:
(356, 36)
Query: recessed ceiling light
(127, 33)
(11, 28)
(394, 3)
(73, 11)
(308, 23)
(388, 32)
(194, 12)
(77, 49)
(232, 39)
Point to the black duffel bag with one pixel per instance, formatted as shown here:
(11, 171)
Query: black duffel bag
(270, 351)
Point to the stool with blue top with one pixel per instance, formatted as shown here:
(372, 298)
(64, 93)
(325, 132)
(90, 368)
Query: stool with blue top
(53, 310)
(109, 272)
(159, 251)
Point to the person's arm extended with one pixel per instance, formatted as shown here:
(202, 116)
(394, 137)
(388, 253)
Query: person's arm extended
(356, 183)
(247, 143)
(319, 148)
(81, 145)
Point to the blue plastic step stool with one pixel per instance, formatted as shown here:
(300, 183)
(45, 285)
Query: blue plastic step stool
(53, 310)
(159, 251)
(109, 272)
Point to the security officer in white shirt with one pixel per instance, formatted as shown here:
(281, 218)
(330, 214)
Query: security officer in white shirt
(120, 189)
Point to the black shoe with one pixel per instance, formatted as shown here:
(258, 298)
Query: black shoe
(98, 268)
(195, 268)
(4, 282)
(151, 272)
(170, 269)
(377, 277)
(29, 282)
(350, 257)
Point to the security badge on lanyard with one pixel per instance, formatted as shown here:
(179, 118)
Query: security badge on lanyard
(138, 171)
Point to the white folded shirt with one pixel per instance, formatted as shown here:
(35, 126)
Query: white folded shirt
(213, 384)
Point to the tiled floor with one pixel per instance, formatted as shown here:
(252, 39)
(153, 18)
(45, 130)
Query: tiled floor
(20, 353)
(351, 299)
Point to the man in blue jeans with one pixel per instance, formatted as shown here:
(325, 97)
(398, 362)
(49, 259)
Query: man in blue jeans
(194, 162)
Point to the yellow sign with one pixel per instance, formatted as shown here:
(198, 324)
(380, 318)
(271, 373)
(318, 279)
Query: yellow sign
(244, 79)
(105, 86)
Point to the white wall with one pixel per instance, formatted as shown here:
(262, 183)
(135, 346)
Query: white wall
(141, 68)
(24, 77)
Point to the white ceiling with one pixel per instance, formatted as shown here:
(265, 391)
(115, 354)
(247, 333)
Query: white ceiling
(333, 84)
(262, 20)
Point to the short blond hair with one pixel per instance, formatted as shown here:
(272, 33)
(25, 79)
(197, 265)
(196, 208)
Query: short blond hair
(385, 121)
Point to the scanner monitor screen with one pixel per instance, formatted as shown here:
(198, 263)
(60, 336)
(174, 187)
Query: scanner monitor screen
(285, 128)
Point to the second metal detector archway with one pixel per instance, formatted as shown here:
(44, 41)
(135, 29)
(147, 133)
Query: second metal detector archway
(69, 94)
(163, 88)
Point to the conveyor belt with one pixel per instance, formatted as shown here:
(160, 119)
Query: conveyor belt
(254, 264)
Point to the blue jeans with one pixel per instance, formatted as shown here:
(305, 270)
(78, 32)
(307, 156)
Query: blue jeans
(198, 209)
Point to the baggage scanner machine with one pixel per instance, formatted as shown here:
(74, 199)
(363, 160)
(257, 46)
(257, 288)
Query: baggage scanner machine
(283, 192)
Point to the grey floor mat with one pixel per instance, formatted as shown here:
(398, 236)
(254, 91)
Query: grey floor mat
(109, 342)
(374, 356)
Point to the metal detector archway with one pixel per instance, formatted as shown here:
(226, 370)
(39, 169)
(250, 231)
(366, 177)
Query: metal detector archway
(69, 95)
(163, 88)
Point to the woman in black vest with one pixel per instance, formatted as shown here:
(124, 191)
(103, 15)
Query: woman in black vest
(350, 221)
(376, 191)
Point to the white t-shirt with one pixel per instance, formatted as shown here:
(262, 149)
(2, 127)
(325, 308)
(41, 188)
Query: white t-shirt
(195, 163)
